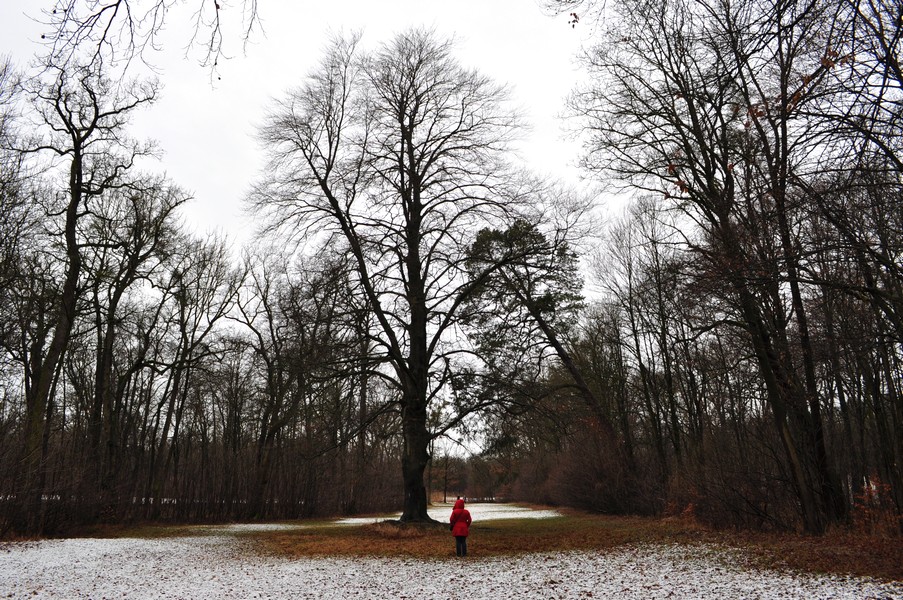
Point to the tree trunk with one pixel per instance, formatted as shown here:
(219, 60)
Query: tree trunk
(414, 461)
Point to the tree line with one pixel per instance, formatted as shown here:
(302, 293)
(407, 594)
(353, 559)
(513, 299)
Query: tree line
(746, 345)
(736, 356)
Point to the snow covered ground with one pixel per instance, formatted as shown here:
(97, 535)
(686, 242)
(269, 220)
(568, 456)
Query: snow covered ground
(224, 567)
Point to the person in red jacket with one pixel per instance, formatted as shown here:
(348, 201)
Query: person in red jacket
(460, 526)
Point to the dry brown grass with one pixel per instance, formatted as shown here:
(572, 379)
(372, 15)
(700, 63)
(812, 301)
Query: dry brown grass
(839, 553)
(489, 538)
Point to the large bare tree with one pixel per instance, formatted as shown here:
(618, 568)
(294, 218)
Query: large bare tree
(398, 153)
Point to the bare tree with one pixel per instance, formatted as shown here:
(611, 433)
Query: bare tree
(299, 323)
(201, 288)
(15, 208)
(699, 104)
(126, 241)
(83, 122)
(109, 32)
(399, 153)
(867, 61)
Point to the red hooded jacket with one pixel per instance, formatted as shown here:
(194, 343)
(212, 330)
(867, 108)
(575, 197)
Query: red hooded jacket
(460, 520)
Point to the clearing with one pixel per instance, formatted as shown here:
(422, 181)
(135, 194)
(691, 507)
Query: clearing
(367, 559)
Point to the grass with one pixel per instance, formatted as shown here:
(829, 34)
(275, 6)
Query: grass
(839, 553)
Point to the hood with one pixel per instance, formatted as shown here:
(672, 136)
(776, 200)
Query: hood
(459, 504)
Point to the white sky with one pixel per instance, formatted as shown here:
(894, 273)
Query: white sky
(206, 130)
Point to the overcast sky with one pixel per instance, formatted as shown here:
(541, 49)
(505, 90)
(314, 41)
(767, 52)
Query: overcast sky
(206, 129)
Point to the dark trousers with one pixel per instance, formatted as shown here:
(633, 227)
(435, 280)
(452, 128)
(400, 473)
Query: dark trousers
(461, 545)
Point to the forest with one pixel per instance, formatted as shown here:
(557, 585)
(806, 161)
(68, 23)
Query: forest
(420, 315)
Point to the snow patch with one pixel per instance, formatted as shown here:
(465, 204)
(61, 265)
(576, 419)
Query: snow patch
(479, 512)
(254, 527)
